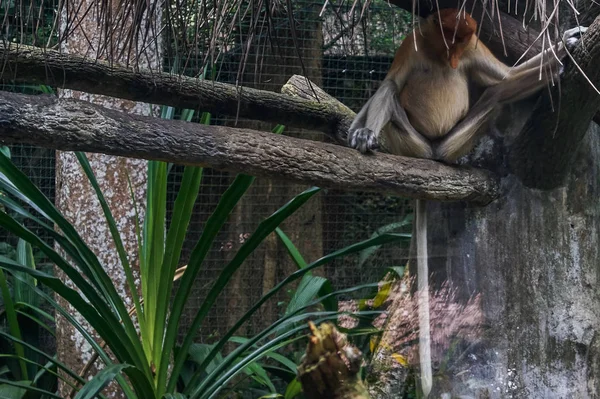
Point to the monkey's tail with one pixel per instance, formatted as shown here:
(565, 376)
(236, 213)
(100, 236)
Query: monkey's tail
(423, 298)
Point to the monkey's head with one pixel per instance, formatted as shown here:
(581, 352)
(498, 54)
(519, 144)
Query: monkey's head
(457, 27)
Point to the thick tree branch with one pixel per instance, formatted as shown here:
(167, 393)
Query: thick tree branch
(72, 125)
(544, 151)
(34, 65)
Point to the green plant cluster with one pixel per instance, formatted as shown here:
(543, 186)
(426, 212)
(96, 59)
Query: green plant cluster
(146, 360)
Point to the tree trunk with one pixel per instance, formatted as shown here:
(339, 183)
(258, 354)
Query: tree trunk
(515, 305)
(83, 210)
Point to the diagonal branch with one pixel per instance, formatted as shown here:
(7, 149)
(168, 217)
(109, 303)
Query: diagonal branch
(72, 125)
(33, 65)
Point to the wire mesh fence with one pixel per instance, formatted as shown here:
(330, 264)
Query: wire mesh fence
(340, 53)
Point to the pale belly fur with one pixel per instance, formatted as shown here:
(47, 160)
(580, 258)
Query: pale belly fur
(435, 100)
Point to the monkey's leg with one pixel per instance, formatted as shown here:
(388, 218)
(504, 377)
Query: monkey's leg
(402, 138)
(460, 140)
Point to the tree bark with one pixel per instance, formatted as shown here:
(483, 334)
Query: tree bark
(72, 125)
(117, 177)
(69, 71)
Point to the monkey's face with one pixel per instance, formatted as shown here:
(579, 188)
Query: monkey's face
(457, 29)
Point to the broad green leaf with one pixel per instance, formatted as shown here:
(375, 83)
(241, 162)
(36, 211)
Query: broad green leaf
(259, 374)
(21, 292)
(273, 355)
(182, 214)
(365, 254)
(289, 364)
(307, 290)
(154, 249)
(325, 285)
(112, 333)
(94, 386)
(13, 323)
(188, 114)
(47, 89)
(25, 385)
(40, 323)
(12, 391)
(51, 359)
(199, 352)
(278, 129)
(35, 309)
(12, 177)
(45, 379)
(227, 371)
(293, 389)
(167, 112)
(291, 248)
(138, 380)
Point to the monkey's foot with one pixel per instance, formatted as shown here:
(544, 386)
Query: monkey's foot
(363, 139)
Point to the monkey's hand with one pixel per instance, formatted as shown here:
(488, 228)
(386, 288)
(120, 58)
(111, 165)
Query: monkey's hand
(572, 36)
(363, 139)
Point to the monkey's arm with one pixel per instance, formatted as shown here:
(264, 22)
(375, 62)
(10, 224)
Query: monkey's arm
(555, 54)
(384, 105)
(486, 70)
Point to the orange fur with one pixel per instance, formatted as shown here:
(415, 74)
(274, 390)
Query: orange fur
(432, 71)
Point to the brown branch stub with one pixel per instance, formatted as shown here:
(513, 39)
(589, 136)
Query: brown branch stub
(545, 149)
(301, 87)
(71, 125)
(41, 66)
(329, 368)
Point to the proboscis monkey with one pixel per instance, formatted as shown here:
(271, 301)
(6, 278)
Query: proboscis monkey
(422, 109)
